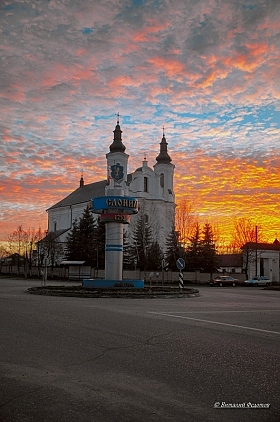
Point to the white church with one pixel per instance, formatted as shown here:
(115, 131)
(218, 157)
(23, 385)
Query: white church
(153, 188)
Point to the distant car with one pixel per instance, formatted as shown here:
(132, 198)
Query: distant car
(258, 281)
(224, 280)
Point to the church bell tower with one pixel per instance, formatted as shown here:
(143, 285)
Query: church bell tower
(117, 161)
(165, 171)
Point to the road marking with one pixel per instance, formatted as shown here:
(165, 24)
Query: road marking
(225, 311)
(215, 322)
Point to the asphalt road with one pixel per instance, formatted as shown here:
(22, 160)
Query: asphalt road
(209, 358)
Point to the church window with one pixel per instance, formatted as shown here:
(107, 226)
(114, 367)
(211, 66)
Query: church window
(145, 184)
(162, 180)
(55, 226)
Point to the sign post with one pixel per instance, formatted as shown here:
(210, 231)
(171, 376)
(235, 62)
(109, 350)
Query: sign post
(181, 265)
(162, 272)
(45, 272)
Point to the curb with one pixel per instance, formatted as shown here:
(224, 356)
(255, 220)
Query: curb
(146, 293)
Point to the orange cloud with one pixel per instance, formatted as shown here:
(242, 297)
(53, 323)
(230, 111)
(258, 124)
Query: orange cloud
(63, 74)
(15, 93)
(171, 67)
(125, 81)
(248, 61)
(147, 34)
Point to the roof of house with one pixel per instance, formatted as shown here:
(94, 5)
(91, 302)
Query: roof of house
(83, 194)
(51, 236)
(230, 260)
(275, 246)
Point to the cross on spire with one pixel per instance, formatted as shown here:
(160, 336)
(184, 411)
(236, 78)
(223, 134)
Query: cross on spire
(82, 182)
(118, 121)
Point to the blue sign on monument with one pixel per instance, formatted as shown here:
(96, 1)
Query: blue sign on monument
(126, 204)
(117, 172)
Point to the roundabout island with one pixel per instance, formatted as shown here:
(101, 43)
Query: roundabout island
(130, 293)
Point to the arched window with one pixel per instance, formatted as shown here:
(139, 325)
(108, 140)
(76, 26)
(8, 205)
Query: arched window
(145, 184)
(161, 180)
(55, 226)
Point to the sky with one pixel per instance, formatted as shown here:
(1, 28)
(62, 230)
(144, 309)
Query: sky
(208, 71)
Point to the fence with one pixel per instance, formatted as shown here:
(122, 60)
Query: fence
(154, 277)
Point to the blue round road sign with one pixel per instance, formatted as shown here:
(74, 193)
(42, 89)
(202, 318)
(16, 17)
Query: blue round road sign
(180, 263)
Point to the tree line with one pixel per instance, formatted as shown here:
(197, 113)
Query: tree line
(196, 244)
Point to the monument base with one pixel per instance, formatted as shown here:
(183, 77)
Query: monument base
(113, 284)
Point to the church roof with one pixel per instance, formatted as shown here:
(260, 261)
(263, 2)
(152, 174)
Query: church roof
(163, 157)
(117, 145)
(83, 194)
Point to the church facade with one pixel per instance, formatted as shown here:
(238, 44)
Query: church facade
(152, 187)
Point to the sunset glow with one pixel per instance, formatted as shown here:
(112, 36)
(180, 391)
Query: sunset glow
(206, 71)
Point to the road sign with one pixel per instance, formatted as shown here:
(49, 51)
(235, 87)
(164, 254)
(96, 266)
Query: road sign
(181, 280)
(180, 263)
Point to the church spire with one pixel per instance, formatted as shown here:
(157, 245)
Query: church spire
(82, 182)
(163, 156)
(117, 145)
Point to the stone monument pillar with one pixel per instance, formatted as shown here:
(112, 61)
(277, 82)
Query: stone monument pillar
(115, 209)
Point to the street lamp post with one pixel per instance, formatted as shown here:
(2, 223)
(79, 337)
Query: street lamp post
(256, 251)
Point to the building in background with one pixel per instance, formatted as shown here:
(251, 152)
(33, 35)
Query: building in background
(231, 263)
(262, 259)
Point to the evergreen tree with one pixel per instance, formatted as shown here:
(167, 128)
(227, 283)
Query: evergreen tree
(72, 243)
(81, 240)
(173, 250)
(99, 241)
(141, 242)
(194, 252)
(154, 257)
(128, 261)
(209, 259)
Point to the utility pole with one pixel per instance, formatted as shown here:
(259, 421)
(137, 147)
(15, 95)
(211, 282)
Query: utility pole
(256, 251)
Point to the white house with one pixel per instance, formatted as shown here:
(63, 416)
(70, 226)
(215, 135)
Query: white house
(153, 187)
(262, 259)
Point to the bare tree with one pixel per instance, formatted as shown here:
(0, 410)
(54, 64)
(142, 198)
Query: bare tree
(40, 249)
(51, 251)
(33, 236)
(185, 221)
(22, 243)
(245, 231)
(3, 254)
(244, 234)
(17, 244)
